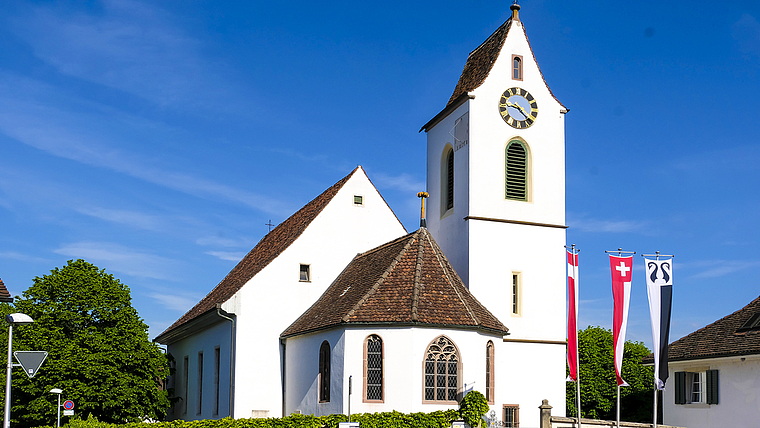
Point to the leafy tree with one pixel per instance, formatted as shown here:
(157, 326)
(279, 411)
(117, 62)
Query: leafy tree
(98, 350)
(472, 408)
(598, 384)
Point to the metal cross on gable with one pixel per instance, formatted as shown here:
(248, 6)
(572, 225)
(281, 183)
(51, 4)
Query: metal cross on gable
(269, 224)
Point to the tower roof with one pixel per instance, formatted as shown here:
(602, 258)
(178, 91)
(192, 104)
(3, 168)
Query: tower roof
(407, 281)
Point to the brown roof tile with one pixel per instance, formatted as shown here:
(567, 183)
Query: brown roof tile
(406, 281)
(723, 338)
(271, 246)
(5, 296)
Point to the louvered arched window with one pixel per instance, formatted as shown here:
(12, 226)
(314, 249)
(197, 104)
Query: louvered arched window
(324, 372)
(442, 371)
(516, 166)
(373, 369)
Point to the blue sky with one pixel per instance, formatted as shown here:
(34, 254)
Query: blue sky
(156, 139)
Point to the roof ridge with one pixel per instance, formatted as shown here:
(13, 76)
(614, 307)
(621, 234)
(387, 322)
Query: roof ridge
(437, 251)
(382, 278)
(506, 23)
(416, 284)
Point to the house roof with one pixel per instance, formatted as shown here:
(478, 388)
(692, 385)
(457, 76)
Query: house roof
(407, 281)
(727, 337)
(5, 296)
(478, 67)
(271, 246)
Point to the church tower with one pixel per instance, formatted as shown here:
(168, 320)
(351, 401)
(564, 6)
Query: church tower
(496, 179)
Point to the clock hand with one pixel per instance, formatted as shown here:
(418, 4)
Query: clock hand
(519, 107)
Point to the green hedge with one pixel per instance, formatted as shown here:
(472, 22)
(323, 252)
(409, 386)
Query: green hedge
(438, 419)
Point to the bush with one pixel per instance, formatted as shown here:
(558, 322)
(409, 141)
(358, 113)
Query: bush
(472, 408)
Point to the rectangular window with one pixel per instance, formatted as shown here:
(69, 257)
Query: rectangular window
(698, 387)
(516, 294)
(305, 273)
(217, 364)
(517, 67)
(358, 200)
(185, 382)
(200, 382)
(511, 416)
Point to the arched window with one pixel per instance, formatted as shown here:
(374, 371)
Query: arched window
(447, 180)
(373, 369)
(324, 372)
(517, 67)
(516, 171)
(442, 367)
(489, 372)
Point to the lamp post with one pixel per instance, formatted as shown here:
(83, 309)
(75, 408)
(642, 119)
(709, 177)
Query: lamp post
(12, 319)
(58, 408)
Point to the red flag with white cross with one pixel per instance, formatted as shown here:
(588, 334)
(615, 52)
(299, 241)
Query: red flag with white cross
(621, 269)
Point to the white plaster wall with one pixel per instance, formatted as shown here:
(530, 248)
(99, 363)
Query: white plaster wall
(274, 298)
(739, 395)
(206, 341)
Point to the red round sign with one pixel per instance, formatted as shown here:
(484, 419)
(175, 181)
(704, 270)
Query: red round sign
(68, 405)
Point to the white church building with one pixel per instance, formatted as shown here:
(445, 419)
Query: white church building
(476, 300)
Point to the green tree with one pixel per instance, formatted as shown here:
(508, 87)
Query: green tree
(598, 384)
(98, 350)
(472, 408)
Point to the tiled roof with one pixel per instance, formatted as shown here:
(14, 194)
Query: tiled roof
(271, 246)
(407, 281)
(481, 60)
(5, 296)
(723, 338)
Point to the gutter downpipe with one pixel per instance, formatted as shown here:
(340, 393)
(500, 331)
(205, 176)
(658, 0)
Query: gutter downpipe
(219, 311)
(283, 377)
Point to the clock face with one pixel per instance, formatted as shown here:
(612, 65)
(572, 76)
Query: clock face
(518, 108)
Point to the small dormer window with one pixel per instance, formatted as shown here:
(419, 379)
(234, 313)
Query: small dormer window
(517, 73)
(753, 323)
(358, 201)
(305, 273)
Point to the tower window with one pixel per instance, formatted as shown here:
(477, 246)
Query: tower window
(305, 273)
(448, 185)
(324, 372)
(516, 165)
(358, 200)
(516, 302)
(517, 73)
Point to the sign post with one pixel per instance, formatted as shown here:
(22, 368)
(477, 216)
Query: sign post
(68, 408)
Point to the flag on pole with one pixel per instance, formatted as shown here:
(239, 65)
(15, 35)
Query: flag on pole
(572, 315)
(621, 269)
(660, 292)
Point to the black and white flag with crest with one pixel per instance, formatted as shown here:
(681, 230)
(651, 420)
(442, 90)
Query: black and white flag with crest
(660, 292)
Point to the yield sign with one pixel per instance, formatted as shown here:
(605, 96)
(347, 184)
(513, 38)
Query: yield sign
(30, 360)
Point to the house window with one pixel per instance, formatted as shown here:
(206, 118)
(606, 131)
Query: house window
(517, 67)
(516, 171)
(324, 372)
(447, 182)
(217, 364)
(511, 416)
(489, 372)
(305, 273)
(696, 387)
(200, 383)
(185, 382)
(442, 367)
(373, 369)
(358, 200)
(516, 294)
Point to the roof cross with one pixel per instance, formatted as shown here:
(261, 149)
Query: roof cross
(269, 224)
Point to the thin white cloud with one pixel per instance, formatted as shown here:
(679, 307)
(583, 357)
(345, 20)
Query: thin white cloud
(134, 219)
(403, 182)
(219, 241)
(175, 302)
(586, 224)
(14, 255)
(719, 268)
(232, 256)
(118, 258)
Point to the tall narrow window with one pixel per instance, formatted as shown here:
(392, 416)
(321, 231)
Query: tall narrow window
(200, 382)
(324, 372)
(489, 372)
(516, 165)
(442, 366)
(517, 67)
(511, 416)
(449, 185)
(516, 294)
(185, 382)
(373, 369)
(217, 364)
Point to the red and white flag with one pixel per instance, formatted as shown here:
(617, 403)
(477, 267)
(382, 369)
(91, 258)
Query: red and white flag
(621, 269)
(572, 315)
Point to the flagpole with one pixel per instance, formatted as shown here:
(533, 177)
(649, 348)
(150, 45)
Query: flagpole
(576, 282)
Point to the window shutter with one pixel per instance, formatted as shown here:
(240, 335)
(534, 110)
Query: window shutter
(516, 166)
(712, 387)
(680, 391)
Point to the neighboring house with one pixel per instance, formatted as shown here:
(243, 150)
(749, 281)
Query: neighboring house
(302, 313)
(715, 374)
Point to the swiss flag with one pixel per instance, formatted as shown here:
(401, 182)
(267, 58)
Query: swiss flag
(621, 269)
(572, 315)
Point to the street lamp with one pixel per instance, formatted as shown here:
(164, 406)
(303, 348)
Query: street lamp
(12, 319)
(58, 409)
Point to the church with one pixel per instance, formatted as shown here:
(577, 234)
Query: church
(380, 319)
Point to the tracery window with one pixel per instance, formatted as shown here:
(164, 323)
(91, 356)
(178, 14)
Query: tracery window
(324, 372)
(373, 368)
(442, 367)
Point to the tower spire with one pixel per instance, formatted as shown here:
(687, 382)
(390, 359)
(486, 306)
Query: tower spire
(422, 196)
(515, 8)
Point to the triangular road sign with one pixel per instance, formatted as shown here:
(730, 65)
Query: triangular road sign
(30, 360)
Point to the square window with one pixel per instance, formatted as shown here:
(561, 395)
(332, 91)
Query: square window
(358, 200)
(305, 273)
